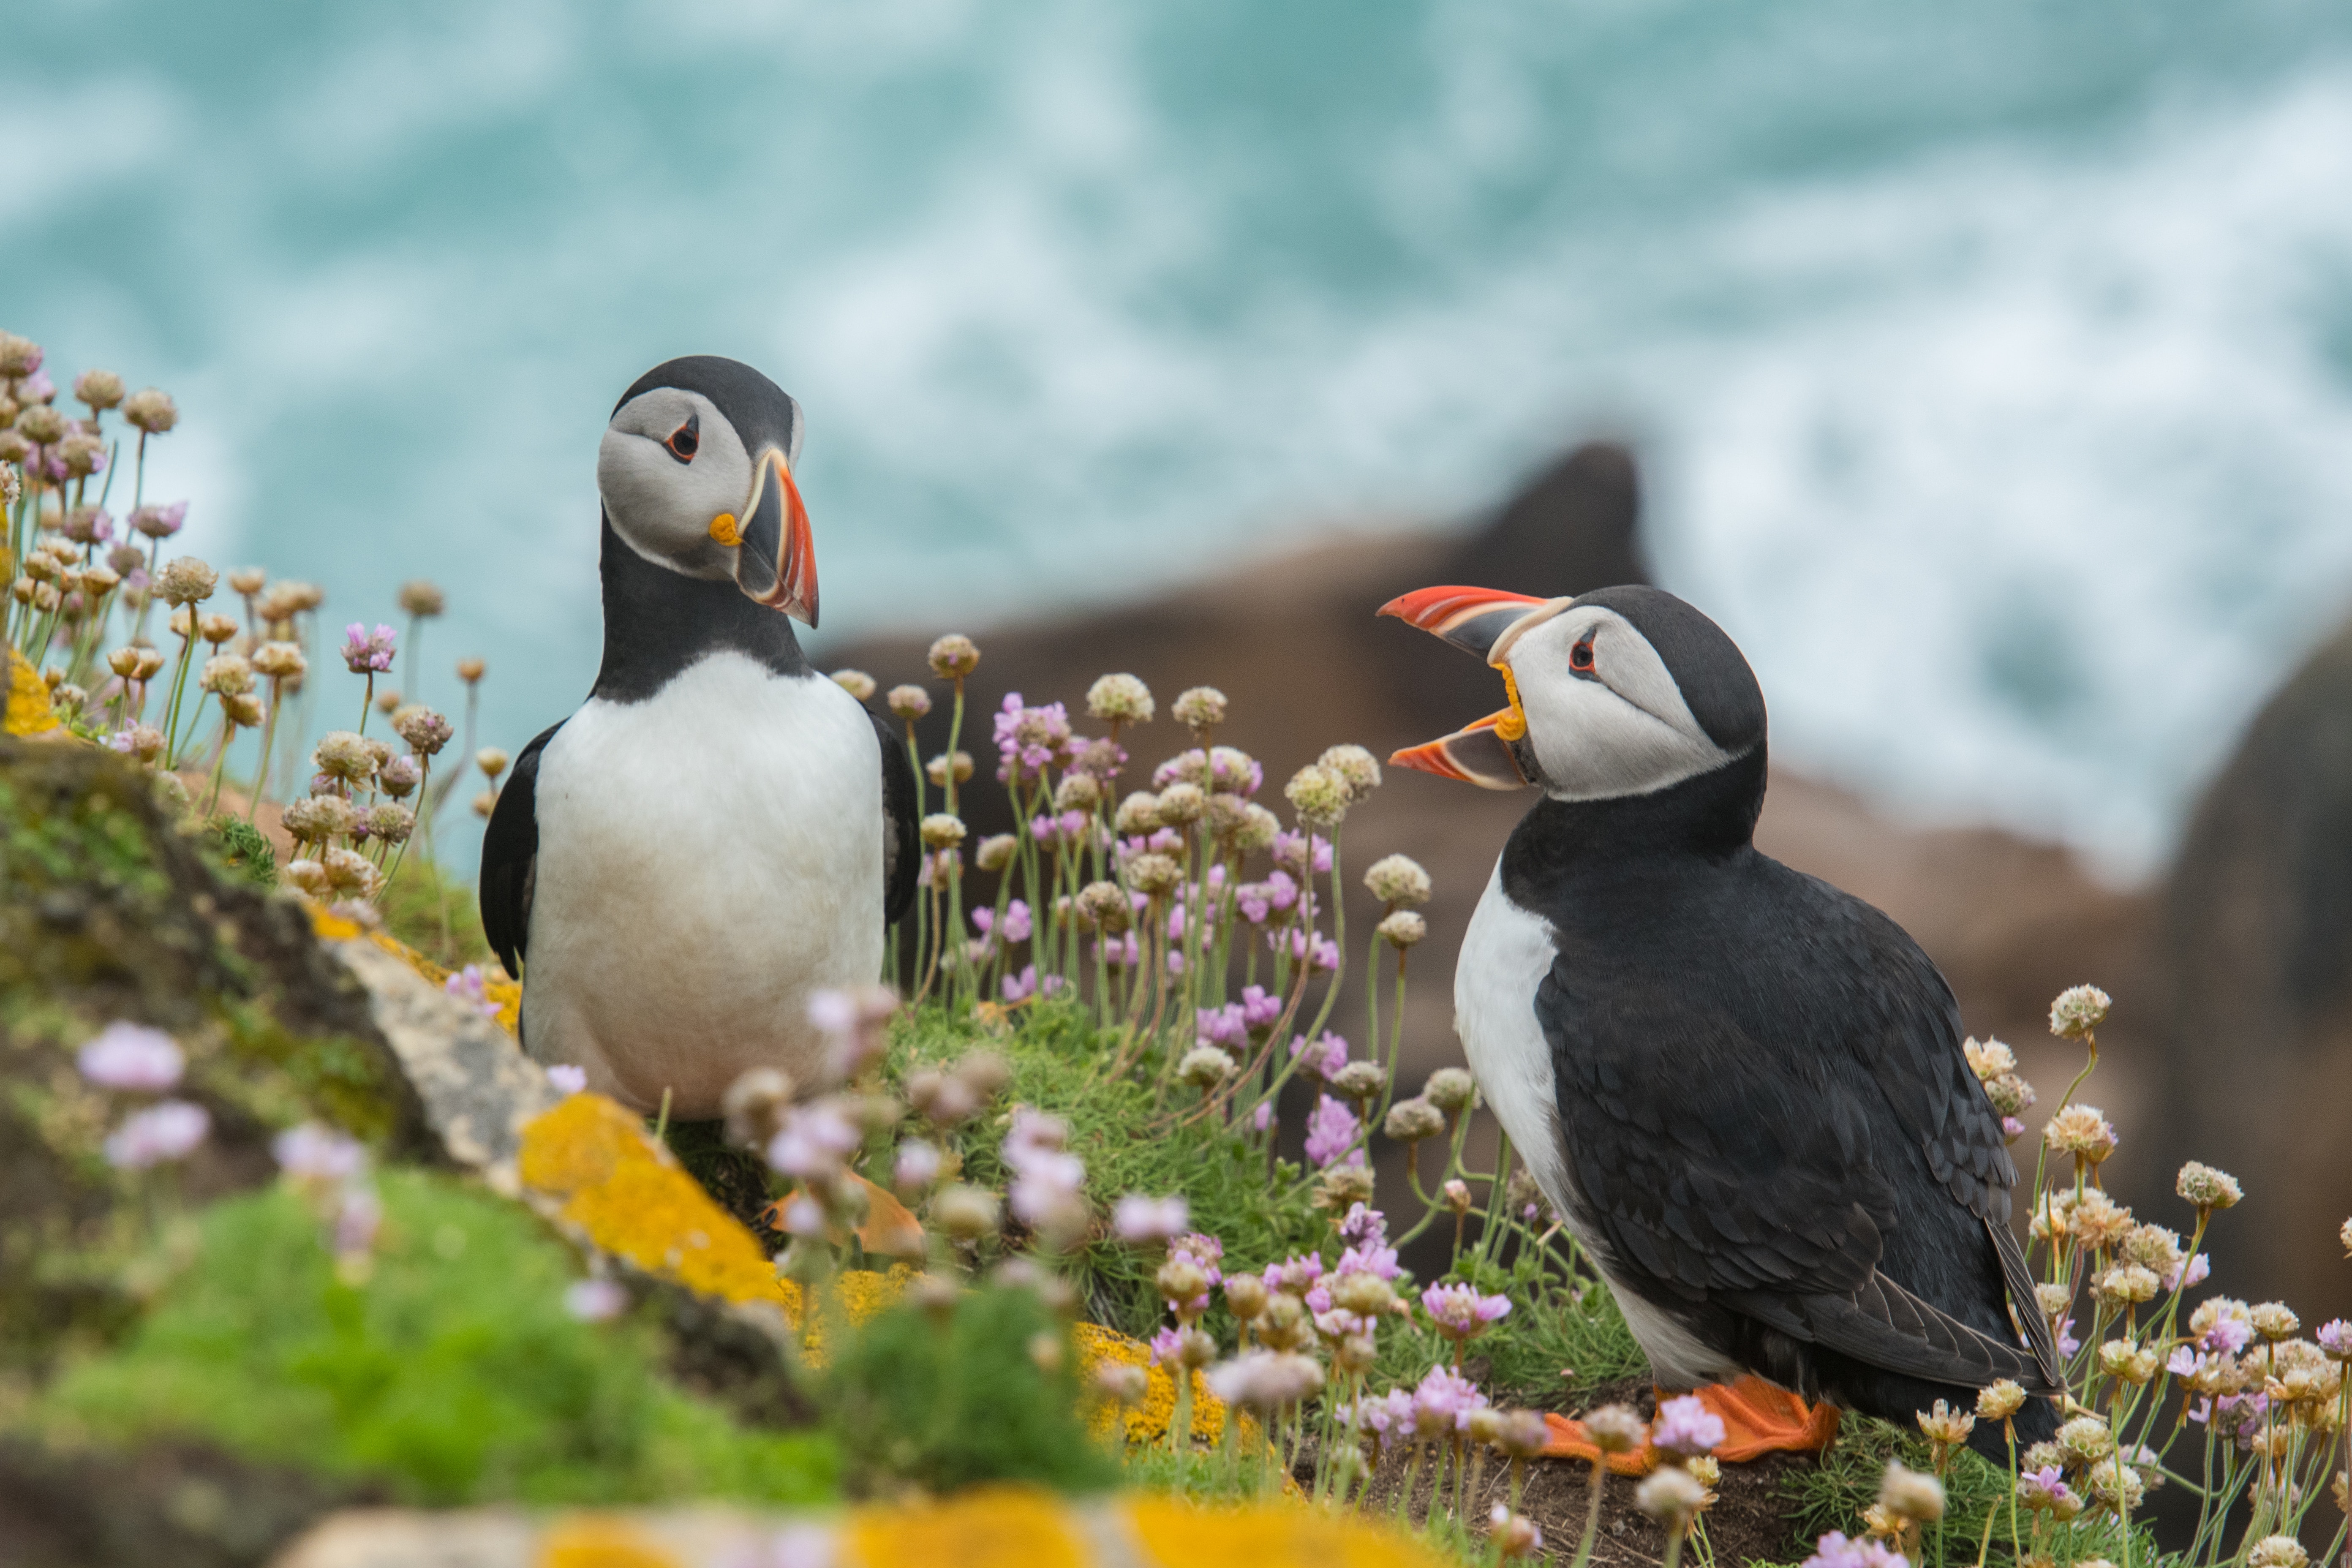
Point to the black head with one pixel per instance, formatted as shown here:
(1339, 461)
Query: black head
(696, 473)
(1622, 691)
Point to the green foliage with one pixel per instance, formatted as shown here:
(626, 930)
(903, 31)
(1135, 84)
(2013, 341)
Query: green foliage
(1832, 1496)
(988, 1391)
(243, 850)
(453, 1371)
(1260, 1211)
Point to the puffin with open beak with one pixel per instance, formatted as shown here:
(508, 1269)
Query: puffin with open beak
(720, 831)
(1742, 1090)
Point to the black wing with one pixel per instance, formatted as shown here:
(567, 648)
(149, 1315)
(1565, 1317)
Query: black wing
(1733, 1142)
(900, 860)
(510, 858)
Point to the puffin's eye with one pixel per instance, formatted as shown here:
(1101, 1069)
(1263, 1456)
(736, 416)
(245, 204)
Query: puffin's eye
(1579, 658)
(687, 439)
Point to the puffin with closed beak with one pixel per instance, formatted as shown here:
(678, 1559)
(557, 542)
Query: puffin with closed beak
(720, 831)
(1742, 1090)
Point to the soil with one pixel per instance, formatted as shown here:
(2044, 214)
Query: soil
(1749, 1521)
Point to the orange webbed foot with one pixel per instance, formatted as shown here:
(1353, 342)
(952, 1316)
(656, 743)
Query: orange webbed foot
(1758, 1418)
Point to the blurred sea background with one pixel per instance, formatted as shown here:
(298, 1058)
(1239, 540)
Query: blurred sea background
(1991, 365)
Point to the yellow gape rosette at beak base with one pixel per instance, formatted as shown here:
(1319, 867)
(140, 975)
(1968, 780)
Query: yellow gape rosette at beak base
(1491, 753)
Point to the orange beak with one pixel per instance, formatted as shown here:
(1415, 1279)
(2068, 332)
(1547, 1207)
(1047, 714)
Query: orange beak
(1492, 752)
(776, 559)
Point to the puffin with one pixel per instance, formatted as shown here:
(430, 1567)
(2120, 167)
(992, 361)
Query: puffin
(719, 832)
(1742, 1090)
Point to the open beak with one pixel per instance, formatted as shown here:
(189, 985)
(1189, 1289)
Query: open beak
(1493, 752)
(775, 561)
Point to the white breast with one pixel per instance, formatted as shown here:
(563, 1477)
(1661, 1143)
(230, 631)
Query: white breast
(708, 858)
(1505, 955)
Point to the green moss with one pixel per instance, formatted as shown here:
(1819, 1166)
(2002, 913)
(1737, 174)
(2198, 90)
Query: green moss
(1260, 1211)
(989, 1392)
(453, 1371)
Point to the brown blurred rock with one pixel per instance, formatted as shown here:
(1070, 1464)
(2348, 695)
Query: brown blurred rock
(2256, 941)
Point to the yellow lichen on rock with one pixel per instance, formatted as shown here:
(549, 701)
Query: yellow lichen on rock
(989, 1527)
(630, 1197)
(28, 712)
(1174, 1533)
(596, 1540)
(1149, 1418)
(329, 926)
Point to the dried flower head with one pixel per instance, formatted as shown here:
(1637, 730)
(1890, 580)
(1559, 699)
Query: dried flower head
(1119, 699)
(908, 702)
(1910, 1495)
(953, 657)
(343, 754)
(185, 580)
(939, 768)
(941, 831)
(2275, 1320)
(1398, 882)
(856, 682)
(225, 674)
(1259, 828)
(1318, 796)
(424, 731)
(2000, 1400)
(1945, 1426)
(1988, 1059)
(1615, 1429)
(390, 821)
(1355, 768)
(1205, 1067)
(492, 760)
(1672, 1496)
(2082, 1130)
(100, 389)
(2085, 1439)
(2078, 1011)
(1182, 805)
(1103, 907)
(1154, 875)
(2208, 1188)
(2278, 1551)
(1403, 929)
(279, 660)
(1077, 791)
(19, 357)
(1139, 814)
(995, 852)
(150, 410)
(1200, 709)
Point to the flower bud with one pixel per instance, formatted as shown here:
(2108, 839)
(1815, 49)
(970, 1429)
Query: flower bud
(150, 410)
(1181, 1281)
(995, 852)
(856, 682)
(1403, 929)
(491, 760)
(908, 703)
(1245, 1296)
(953, 657)
(247, 581)
(421, 599)
(470, 670)
(217, 628)
(1366, 1295)
(1450, 1089)
(1412, 1121)
(99, 389)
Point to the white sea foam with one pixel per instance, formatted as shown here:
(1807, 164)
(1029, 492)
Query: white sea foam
(1994, 371)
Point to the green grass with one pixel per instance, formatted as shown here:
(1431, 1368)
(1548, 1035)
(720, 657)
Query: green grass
(453, 1371)
(1832, 1494)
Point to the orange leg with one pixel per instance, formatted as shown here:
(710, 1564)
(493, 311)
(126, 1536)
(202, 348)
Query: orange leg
(1757, 1419)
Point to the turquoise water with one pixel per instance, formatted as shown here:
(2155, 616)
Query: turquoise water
(1993, 363)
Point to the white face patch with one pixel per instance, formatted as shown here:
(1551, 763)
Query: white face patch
(663, 508)
(1619, 727)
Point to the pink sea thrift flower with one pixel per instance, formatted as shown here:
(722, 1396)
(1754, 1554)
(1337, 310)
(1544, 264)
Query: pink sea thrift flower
(1140, 1220)
(1834, 1550)
(595, 1300)
(468, 986)
(1331, 1131)
(310, 1153)
(1323, 1059)
(567, 1079)
(128, 1056)
(1443, 1401)
(366, 652)
(1688, 1428)
(1462, 1312)
(158, 1135)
